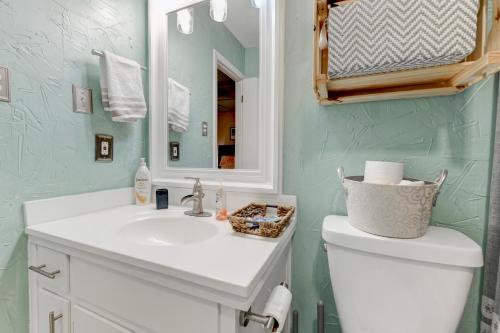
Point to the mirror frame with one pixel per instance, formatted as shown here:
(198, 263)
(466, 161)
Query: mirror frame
(267, 177)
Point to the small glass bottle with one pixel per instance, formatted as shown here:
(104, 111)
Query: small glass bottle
(220, 203)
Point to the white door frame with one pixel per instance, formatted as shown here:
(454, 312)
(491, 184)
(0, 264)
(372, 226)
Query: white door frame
(225, 66)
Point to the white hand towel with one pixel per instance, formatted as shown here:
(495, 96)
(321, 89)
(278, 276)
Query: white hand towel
(178, 106)
(121, 88)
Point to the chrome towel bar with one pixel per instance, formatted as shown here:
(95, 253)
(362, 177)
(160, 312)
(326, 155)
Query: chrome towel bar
(101, 54)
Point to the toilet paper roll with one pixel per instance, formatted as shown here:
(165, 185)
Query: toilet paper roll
(278, 305)
(412, 183)
(385, 173)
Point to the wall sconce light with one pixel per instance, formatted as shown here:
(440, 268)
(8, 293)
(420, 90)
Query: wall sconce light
(185, 21)
(218, 10)
(257, 3)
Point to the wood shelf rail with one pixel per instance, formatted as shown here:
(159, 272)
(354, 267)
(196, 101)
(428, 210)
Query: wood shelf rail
(423, 82)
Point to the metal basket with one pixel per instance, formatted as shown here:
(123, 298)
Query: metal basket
(397, 211)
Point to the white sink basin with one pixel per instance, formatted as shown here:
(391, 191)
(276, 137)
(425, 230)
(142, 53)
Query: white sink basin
(167, 231)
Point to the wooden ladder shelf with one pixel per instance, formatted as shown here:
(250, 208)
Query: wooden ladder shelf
(423, 82)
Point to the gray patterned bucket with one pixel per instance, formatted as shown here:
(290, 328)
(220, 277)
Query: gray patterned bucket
(397, 211)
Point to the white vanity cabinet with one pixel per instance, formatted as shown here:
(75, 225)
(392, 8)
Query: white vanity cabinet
(52, 312)
(51, 307)
(89, 274)
(91, 294)
(84, 321)
(145, 304)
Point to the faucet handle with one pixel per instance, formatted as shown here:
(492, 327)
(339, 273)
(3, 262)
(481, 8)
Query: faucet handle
(193, 178)
(197, 183)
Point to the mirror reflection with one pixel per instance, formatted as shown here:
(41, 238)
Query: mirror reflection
(213, 86)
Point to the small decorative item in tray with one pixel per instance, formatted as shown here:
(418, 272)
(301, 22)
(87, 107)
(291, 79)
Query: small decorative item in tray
(261, 219)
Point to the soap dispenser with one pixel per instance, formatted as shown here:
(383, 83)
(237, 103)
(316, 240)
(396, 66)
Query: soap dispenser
(142, 184)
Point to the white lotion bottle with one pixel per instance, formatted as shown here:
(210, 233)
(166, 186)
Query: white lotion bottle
(143, 184)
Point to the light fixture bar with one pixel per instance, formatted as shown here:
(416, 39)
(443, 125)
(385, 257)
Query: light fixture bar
(185, 21)
(257, 3)
(218, 10)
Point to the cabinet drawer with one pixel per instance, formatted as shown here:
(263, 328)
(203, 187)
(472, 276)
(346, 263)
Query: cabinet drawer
(52, 269)
(85, 321)
(153, 307)
(52, 312)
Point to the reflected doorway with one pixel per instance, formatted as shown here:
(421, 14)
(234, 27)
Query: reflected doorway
(226, 120)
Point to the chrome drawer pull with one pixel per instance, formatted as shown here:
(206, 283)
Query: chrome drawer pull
(52, 321)
(39, 270)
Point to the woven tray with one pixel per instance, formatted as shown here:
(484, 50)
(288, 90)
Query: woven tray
(272, 229)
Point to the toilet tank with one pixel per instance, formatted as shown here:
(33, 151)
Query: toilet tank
(385, 285)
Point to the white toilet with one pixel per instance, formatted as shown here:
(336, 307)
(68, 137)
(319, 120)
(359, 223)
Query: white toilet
(386, 285)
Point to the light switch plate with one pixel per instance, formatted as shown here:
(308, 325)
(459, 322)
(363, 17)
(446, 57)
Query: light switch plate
(82, 100)
(204, 128)
(103, 148)
(4, 85)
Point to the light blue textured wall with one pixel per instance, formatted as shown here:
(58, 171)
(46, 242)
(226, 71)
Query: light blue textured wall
(426, 134)
(46, 150)
(190, 62)
(252, 62)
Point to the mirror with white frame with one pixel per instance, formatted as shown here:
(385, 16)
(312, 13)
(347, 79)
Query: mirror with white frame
(214, 97)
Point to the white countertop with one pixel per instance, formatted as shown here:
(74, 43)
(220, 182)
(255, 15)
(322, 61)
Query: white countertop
(229, 262)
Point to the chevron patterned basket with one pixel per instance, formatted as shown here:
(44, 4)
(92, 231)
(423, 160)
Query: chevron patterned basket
(378, 36)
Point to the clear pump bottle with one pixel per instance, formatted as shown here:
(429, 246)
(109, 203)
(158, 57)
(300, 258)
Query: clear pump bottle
(220, 204)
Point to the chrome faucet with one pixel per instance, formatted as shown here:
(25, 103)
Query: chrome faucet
(197, 199)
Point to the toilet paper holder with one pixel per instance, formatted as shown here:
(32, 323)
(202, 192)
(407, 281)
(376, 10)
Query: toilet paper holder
(267, 321)
(247, 316)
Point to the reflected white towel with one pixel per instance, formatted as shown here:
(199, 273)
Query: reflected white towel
(121, 88)
(178, 106)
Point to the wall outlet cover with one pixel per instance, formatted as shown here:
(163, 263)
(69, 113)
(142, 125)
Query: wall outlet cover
(82, 100)
(4, 85)
(103, 148)
(175, 154)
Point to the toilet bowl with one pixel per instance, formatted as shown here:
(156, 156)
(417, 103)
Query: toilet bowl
(386, 285)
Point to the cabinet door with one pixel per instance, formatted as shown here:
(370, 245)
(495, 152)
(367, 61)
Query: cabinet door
(85, 321)
(54, 261)
(53, 313)
(143, 303)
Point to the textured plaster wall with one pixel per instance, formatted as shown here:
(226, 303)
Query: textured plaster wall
(47, 150)
(190, 60)
(252, 62)
(426, 134)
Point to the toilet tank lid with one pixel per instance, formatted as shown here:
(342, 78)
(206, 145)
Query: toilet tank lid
(439, 245)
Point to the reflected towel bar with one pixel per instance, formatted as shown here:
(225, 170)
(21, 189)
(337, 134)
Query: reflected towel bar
(101, 53)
